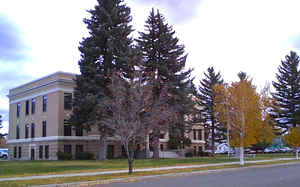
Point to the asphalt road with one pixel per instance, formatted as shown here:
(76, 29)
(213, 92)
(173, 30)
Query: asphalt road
(275, 176)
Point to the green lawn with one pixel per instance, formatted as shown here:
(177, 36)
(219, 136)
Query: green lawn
(31, 168)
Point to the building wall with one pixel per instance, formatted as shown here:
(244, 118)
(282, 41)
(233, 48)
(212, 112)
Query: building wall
(54, 87)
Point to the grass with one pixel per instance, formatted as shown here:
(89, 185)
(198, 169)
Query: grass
(104, 179)
(34, 168)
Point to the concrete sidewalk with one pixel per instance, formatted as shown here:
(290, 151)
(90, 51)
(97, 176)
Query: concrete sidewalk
(136, 170)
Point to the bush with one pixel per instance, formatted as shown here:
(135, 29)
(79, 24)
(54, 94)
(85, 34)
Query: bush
(84, 156)
(189, 154)
(202, 153)
(64, 156)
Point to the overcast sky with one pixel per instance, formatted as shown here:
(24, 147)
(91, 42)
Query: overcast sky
(39, 37)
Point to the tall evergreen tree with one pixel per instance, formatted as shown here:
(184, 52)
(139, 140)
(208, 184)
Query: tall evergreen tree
(107, 49)
(215, 131)
(164, 62)
(287, 93)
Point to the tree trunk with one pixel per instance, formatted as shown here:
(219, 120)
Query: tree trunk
(103, 148)
(156, 147)
(242, 162)
(155, 143)
(297, 154)
(213, 149)
(130, 165)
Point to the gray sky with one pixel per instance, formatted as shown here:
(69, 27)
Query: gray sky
(40, 37)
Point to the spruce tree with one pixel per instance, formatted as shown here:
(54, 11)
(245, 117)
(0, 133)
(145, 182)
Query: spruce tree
(164, 62)
(107, 48)
(287, 93)
(215, 131)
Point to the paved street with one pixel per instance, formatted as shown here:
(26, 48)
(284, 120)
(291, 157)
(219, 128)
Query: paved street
(275, 176)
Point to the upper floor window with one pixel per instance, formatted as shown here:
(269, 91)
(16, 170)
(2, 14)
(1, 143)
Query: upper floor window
(45, 98)
(67, 130)
(199, 135)
(18, 109)
(32, 130)
(79, 131)
(26, 130)
(27, 107)
(33, 101)
(44, 129)
(68, 101)
(18, 132)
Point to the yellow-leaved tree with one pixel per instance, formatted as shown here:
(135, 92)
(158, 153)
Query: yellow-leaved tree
(238, 105)
(293, 139)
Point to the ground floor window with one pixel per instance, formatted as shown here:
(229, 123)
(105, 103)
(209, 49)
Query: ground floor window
(15, 152)
(20, 152)
(79, 149)
(41, 152)
(68, 149)
(46, 151)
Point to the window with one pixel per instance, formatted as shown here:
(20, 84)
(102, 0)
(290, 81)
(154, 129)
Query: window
(20, 152)
(68, 149)
(15, 152)
(79, 149)
(18, 132)
(27, 108)
(46, 151)
(44, 129)
(162, 136)
(32, 130)
(161, 147)
(79, 131)
(195, 134)
(27, 131)
(41, 152)
(18, 109)
(68, 101)
(45, 98)
(200, 149)
(67, 130)
(199, 135)
(33, 101)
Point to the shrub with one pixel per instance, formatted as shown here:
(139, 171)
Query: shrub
(189, 154)
(64, 156)
(202, 153)
(84, 156)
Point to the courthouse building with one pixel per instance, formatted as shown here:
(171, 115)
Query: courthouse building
(37, 129)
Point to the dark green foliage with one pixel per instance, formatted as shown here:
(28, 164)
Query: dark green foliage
(164, 63)
(177, 142)
(287, 93)
(107, 48)
(215, 131)
(64, 156)
(84, 156)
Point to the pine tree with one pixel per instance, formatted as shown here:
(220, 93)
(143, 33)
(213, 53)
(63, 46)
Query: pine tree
(214, 129)
(108, 48)
(287, 93)
(164, 62)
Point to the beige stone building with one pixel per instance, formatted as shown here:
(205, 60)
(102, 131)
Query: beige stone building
(37, 111)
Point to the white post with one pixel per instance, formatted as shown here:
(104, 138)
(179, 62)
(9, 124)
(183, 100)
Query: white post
(147, 146)
(297, 154)
(242, 162)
